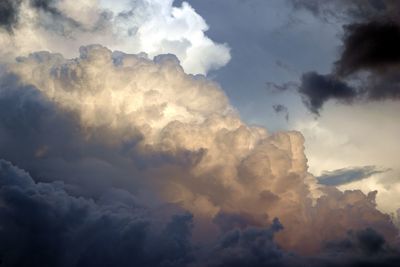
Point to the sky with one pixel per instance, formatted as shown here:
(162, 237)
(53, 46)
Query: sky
(278, 42)
(199, 133)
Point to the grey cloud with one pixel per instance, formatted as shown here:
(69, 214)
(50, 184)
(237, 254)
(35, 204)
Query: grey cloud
(281, 109)
(365, 247)
(42, 225)
(53, 19)
(370, 48)
(9, 13)
(350, 11)
(348, 175)
(250, 247)
(316, 89)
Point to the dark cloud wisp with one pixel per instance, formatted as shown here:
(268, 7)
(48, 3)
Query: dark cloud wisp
(316, 89)
(281, 109)
(348, 175)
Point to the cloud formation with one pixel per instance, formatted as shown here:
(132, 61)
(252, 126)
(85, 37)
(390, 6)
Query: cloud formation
(369, 65)
(153, 27)
(113, 120)
(316, 89)
(43, 225)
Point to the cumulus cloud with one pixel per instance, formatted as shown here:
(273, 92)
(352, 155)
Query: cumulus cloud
(120, 159)
(153, 27)
(114, 120)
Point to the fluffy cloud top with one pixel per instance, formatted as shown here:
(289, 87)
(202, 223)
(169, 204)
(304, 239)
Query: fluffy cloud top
(153, 27)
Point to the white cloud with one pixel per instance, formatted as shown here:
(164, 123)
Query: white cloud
(154, 27)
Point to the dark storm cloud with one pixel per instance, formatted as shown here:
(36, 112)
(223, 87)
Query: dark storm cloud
(316, 89)
(42, 225)
(370, 45)
(348, 175)
(250, 246)
(9, 12)
(361, 248)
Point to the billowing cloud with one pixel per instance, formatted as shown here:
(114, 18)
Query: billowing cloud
(124, 121)
(153, 27)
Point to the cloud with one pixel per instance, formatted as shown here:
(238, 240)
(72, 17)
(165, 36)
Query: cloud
(316, 89)
(113, 120)
(281, 109)
(370, 46)
(368, 67)
(334, 142)
(350, 11)
(347, 175)
(9, 13)
(42, 225)
(362, 248)
(249, 247)
(153, 27)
